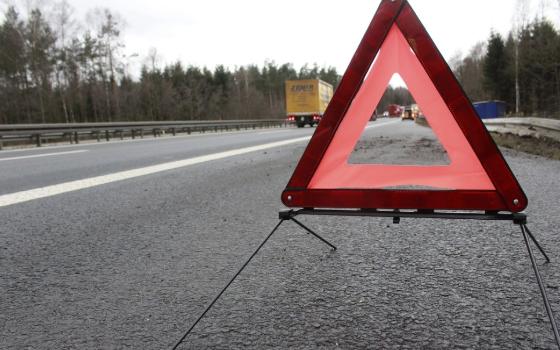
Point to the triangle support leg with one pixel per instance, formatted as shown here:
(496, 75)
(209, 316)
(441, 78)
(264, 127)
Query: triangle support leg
(227, 286)
(546, 302)
(310, 231)
(524, 227)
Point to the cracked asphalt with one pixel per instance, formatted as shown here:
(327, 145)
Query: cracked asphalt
(131, 264)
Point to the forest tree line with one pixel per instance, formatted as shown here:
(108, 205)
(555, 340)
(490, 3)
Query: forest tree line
(52, 73)
(521, 69)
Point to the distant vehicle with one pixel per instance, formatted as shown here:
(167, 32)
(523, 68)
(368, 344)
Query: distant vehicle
(490, 109)
(410, 112)
(307, 100)
(394, 110)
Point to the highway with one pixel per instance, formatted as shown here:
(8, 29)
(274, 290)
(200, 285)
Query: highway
(122, 244)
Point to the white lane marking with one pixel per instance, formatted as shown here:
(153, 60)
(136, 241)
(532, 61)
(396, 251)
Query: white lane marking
(44, 155)
(48, 191)
(390, 122)
(367, 127)
(53, 190)
(272, 132)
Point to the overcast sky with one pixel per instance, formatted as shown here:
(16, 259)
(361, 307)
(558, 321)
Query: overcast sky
(327, 32)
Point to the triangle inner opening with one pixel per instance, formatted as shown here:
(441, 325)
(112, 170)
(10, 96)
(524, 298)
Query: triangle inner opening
(398, 133)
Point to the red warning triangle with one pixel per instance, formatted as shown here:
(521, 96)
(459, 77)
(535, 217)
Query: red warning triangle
(477, 178)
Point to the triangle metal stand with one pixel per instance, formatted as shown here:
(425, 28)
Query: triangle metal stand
(519, 219)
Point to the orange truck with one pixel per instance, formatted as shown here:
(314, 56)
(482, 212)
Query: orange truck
(307, 100)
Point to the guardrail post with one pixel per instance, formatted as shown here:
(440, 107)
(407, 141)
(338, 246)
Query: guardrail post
(1, 144)
(107, 135)
(133, 133)
(188, 131)
(121, 135)
(97, 136)
(38, 140)
(154, 131)
(174, 131)
(141, 133)
(76, 137)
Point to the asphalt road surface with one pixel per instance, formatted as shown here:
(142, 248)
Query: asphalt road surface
(121, 245)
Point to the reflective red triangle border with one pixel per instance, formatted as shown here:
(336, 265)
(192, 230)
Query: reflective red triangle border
(508, 195)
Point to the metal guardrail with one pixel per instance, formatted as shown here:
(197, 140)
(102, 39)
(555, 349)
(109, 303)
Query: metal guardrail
(525, 127)
(533, 127)
(39, 133)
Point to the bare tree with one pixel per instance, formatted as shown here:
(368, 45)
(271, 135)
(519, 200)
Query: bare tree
(65, 27)
(522, 13)
(153, 59)
(108, 26)
(40, 43)
(456, 61)
(520, 21)
(470, 72)
(31, 5)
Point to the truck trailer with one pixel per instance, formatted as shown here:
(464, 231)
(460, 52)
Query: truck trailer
(307, 100)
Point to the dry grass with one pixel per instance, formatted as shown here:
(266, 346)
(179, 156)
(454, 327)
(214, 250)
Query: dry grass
(543, 146)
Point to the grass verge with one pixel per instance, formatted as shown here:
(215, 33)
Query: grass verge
(545, 147)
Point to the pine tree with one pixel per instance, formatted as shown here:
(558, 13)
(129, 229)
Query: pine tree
(497, 81)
